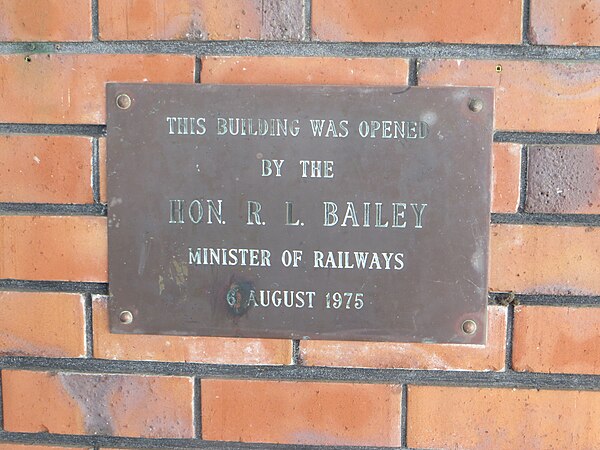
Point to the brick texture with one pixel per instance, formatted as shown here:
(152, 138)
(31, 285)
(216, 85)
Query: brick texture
(556, 339)
(120, 405)
(557, 260)
(42, 324)
(213, 350)
(194, 20)
(556, 22)
(71, 88)
(414, 355)
(502, 419)
(47, 20)
(53, 248)
(45, 169)
(530, 95)
(304, 70)
(563, 179)
(506, 177)
(301, 412)
(461, 21)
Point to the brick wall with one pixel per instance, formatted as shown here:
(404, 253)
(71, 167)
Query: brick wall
(67, 382)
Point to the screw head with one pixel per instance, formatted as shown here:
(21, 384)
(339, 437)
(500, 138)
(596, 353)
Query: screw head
(126, 317)
(475, 104)
(123, 101)
(469, 326)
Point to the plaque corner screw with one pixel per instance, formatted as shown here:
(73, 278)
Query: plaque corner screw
(469, 326)
(123, 101)
(476, 105)
(126, 317)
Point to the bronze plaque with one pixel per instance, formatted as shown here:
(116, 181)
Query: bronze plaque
(305, 212)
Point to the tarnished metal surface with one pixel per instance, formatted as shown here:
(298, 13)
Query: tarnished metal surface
(382, 234)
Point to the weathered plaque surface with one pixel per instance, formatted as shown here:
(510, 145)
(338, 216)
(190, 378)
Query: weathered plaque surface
(343, 213)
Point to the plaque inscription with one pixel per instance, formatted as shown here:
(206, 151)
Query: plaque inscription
(348, 213)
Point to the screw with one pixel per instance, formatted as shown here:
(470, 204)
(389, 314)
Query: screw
(469, 326)
(126, 317)
(123, 101)
(498, 68)
(476, 105)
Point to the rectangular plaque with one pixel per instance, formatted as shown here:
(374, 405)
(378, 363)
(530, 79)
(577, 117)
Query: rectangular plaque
(305, 212)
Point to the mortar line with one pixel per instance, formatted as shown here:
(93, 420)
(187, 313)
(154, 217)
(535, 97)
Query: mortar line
(197, 405)
(428, 50)
(198, 69)
(95, 21)
(95, 441)
(412, 72)
(53, 286)
(53, 209)
(1, 405)
(509, 337)
(526, 22)
(307, 20)
(504, 379)
(296, 356)
(96, 169)
(89, 326)
(404, 417)
(523, 178)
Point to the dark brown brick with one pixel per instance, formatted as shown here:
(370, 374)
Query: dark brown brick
(563, 179)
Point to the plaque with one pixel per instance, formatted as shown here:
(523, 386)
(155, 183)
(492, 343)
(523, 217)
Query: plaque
(304, 212)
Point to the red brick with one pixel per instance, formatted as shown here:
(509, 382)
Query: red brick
(71, 88)
(45, 169)
(556, 339)
(301, 412)
(213, 350)
(118, 405)
(47, 20)
(502, 419)
(304, 70)
(195, 20)
(414, 355)
(42, 324)
(530, 95)
(506, 178)
(460, 21)
(53, 248)
(533, 259)
(557, 22)
(563, 179)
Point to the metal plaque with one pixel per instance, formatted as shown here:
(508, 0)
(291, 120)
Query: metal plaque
(305, 212)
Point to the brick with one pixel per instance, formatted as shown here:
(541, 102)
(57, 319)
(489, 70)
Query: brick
(301, 412)
(555, 260)
(117, 405)
(71, 88)
(459, 21)
(45, 169)
(506, 177)
(42, 324)
(556, 22)
(53, 248)
(304, 70)
(45, 20)
(414, 355)
(563, 179)
(501, 419)
(212, 350)
(530, 95)
(196, 20)
(556, 339)
(10, 446)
